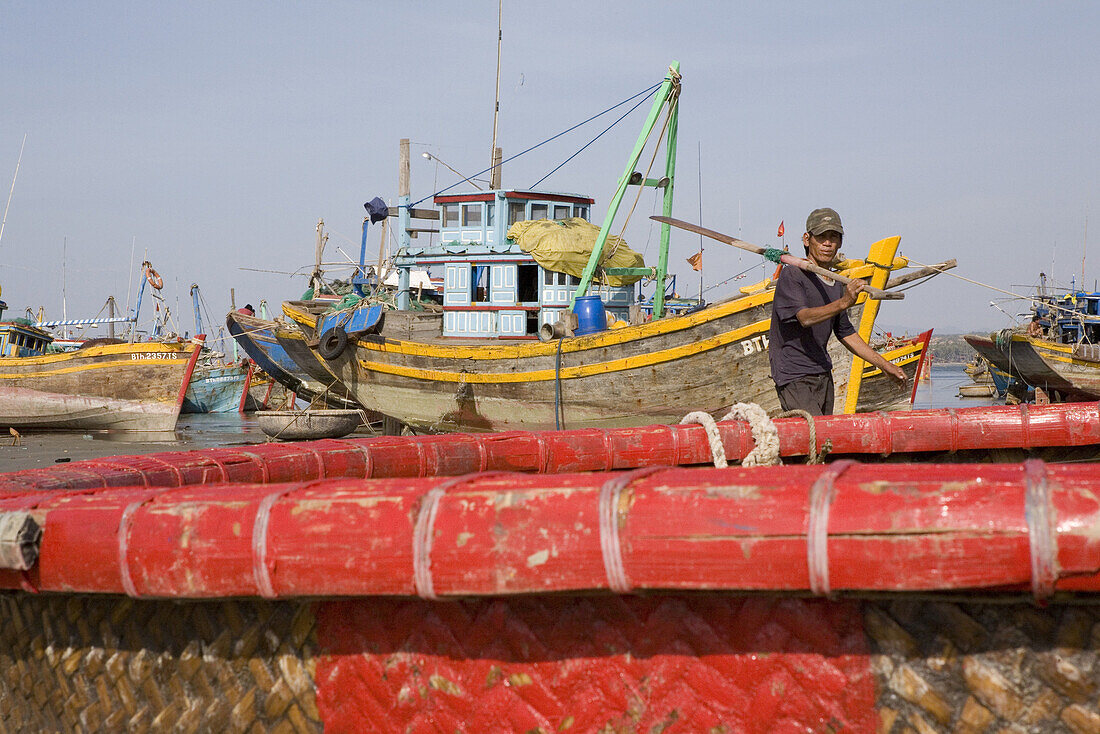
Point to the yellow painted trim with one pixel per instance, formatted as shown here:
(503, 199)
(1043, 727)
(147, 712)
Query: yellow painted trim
(86, 367)
(1045, 348)
(504, 350)
(912, 356)
(104, 349)
(615, 365)
(880, 252)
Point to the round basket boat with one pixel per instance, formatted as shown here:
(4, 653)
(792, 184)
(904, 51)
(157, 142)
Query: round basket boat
(299, 425)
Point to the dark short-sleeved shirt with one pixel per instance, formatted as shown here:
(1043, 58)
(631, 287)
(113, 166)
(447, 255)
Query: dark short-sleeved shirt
(795, 350)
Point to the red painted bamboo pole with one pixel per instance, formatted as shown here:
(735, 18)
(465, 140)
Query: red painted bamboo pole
(901, 432)
(844, 526)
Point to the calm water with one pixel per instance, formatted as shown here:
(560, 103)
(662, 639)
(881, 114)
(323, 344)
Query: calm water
(195, 431)
(943, 389)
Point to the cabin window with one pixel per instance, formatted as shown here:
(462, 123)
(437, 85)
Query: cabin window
(548, 277)
(581, 211)
(574, 280)
(539, 211)
(471, 215)
(479, 292)
(561, 212)
(517, 212)
(490, 209)
(527, 283)
(450, 215)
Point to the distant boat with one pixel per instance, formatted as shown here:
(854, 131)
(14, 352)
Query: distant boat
(1062, 360)
(977, 390)
(120, 386)
(216, 388)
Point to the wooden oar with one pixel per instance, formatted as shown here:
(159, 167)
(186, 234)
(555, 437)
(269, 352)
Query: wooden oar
(786, 258)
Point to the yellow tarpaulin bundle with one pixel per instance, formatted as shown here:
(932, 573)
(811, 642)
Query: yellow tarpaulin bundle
(564, 246)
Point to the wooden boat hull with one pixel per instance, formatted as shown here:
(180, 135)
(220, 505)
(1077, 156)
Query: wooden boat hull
(257, 338)
(134, 387)
(879, 392)
(307, 360)
(650, 373)
(655, 372)
(1066, 372)
(215, 389)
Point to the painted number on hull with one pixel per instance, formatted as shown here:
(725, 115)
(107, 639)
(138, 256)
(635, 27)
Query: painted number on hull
(154, 355)
(756, 344)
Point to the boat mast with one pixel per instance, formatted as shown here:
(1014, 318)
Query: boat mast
(64, 307)
(12, 190)
(494, 157)
(668, 93)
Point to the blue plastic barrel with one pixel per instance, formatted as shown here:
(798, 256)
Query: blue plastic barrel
(590, 315)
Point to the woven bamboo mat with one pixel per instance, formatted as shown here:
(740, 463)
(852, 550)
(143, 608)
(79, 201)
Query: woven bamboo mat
(981, 667)
(598, 663)
(96, 663)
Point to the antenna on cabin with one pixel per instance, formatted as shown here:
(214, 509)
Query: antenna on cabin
(494, 152)
(64, 307)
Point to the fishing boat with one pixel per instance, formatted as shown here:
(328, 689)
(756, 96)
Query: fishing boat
(216, 387)
(977, 390)
(305, 425)
(260, 340)
(118, 386)
(876, 390)
(480, 365)
(1062, 359)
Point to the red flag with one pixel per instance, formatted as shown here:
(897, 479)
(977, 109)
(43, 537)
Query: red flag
(696, 261)
(781, 230)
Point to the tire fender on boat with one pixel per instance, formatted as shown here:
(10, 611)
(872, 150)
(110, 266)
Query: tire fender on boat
(333, 342)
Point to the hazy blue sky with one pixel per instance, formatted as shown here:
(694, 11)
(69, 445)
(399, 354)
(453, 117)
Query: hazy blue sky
(215, 134)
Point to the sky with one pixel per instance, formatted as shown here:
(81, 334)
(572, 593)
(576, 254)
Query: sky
(210, 137)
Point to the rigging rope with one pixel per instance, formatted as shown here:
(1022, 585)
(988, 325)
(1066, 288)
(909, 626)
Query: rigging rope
(544, 142)
(605, 130)
(995, 288)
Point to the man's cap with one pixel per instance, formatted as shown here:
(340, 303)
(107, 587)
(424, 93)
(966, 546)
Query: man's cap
(823, 220)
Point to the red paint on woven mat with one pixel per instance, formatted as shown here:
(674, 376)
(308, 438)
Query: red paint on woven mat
(580, 664)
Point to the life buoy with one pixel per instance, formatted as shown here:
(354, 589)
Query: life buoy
(332, 343)
(154, 279)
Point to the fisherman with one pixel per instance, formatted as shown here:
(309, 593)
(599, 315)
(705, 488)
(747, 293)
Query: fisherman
(247, 310)
(1035, 327)
(807, 308)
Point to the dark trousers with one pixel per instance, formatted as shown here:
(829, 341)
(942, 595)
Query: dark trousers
(813, 394)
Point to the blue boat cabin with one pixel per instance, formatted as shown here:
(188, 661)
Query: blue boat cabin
(492, 288)
(18, 338)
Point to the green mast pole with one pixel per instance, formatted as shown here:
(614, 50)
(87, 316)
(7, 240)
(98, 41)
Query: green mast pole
(672, 81)
(670, 170)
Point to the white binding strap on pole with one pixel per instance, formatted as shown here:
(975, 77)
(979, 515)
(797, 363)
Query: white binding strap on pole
(1041, 533)
(261, 574)
(817, 536)
(610, 543)
(424, 530)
